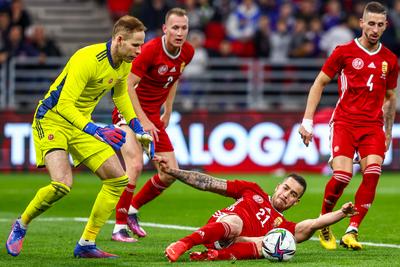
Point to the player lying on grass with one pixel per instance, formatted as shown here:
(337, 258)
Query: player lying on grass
(236, 232)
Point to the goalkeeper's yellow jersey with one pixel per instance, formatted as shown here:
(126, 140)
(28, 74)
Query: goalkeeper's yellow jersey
(85, 79)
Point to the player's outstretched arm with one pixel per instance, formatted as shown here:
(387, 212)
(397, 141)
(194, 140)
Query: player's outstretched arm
(197, 180)
(305, 229)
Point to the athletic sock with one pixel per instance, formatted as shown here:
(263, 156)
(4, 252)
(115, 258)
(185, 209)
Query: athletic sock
(366, 193)
(121, 210)
(239, 251)
(207, 234)
(334, 189)
(103, 206)
(43, 200)
(151, 189)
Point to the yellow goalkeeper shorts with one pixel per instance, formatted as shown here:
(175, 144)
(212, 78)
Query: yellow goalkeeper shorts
(51, 135)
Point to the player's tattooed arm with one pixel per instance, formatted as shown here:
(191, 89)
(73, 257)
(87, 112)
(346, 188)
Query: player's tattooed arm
(389, 112)
(200, 180)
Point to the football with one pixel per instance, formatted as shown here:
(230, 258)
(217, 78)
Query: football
(279, 245)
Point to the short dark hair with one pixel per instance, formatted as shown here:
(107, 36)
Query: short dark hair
(300, 180)
(375, 7)
(180, 12)
(127, 25)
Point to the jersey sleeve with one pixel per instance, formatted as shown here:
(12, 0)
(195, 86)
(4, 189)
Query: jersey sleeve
(142, 62)
(190, 54)
(333, 64)
(122, 100)
(290, 226)
(236, 188)
(81, 69)
(393, 75)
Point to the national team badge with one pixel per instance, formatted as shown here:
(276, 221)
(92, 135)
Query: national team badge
(357, 63)
(182, 67)
(277, 222)
(110, 81)
(384, 67)
(162, 69)
(50, 137)
(258, 199)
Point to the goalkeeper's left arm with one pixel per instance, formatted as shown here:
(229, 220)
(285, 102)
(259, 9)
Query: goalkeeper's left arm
(125, 107)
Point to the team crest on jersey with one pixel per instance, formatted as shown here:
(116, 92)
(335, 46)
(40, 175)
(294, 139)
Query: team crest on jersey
(110, 81)
(357, 63)
(50, 137)
(384, 69)
(162, 69)
(277, 222)
(182, 67)
(258, 199)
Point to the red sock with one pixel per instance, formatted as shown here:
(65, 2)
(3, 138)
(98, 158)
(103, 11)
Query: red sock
(208, 234)
(366, 193)
(334, 189)
(121, 210)
(239, 251)
(151, 189)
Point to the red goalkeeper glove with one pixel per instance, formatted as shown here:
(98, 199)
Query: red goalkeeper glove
(115, 137)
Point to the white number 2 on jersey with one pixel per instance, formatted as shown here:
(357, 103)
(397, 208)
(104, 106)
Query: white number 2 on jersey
(370, 84)
(263, 215)
(169, 80)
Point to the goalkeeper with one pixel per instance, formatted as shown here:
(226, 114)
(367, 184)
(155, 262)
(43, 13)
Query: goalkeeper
(62, 125)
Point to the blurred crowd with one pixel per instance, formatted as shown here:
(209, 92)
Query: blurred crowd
(19, 37)
(273, 29)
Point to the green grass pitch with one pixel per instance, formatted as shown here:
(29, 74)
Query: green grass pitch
(52, 237)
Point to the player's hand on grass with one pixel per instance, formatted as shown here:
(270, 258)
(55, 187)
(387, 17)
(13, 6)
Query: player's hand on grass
(143, 137)
(115, 137)
(349, 210)
(305, 131)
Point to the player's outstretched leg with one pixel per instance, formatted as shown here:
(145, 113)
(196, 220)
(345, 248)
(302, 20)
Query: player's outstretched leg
(350, 240)
(208, 255)
(175, 250)
(327, 239)
(133, 224)
(16, 238)
(91, 251)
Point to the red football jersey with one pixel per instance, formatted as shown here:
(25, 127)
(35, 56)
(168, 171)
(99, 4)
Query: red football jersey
(364, 77)
(158, 70)
(254, 207)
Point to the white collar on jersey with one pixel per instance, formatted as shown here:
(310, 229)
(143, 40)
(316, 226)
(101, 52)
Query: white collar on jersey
(366, 50)
(166, 51)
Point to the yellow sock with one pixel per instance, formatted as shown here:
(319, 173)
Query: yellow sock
(44, 199)
(104, 205)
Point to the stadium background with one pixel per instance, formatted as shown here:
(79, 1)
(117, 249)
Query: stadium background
(237, 113)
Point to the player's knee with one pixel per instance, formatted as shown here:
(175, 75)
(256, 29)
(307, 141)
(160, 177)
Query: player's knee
(115, 186)
(134, 170)
(235, 223)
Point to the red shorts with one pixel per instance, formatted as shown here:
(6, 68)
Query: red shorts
(163, 144)
(224, 243)
(366, 140)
